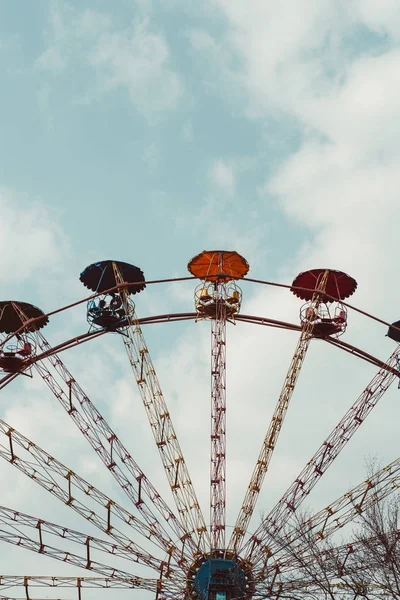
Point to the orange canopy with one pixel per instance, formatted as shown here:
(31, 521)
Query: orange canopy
(214, 265)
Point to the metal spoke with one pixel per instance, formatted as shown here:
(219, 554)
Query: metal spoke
(83, 562)
(336, 562)
(30, 581)
(271, 437)
(86, 562)
(343, 510)
(106, 443)
(161, 424)
(218, 426)
(65, 485)
(218, 299)
(14, 518)
(257, 549)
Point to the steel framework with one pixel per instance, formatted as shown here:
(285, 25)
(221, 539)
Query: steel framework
(278, 417)
(218, 423)
(180, 548)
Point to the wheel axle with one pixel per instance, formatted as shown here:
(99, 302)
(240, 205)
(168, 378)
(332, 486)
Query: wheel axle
(220, 575)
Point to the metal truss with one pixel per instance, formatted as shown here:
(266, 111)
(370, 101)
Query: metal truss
(28, 581)
(159, 587)
(270, 441)
(218, 423)
(106, 444)
(338, 562)
(18, 522)
(257, 549)
(268, 550)
(299, 589)
(30, 584)
(84, 562)
(333, 517)
(163, 430)
(278, 417)
(67, 486)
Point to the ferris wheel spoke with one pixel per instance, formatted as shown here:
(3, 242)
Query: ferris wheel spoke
(67, 486)
(21, 521)
(269, 443)
(218, 299)
(337, 561)
(159, 417)
(91, 423)
(84, 562)
(329, 520)
(342, 511)
(328, 564)
(257, 547)
(218, 428)
(105, 442)
(300, 588)
(353, 503)
(30, 582)
(278, 417)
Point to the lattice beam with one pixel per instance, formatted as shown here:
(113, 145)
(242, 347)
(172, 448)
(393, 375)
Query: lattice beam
(12, 581)
(67, 486)
(161, 424)
(106, 444)
(84, 562)
(275, 426)
(20, 522)
(218, 423)
(257, 548)
(335, 516)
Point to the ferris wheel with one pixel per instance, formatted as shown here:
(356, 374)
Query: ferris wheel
(182, 557)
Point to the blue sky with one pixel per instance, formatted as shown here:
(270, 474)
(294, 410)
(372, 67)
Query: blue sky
(164, 155)
(148, 131)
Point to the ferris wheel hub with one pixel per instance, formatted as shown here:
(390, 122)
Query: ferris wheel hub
(220, 575)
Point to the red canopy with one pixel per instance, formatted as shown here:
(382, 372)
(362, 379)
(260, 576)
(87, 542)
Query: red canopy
(339, 285)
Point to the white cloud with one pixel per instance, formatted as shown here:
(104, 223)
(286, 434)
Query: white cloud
(382, 18)
(30, 237)
(222, 176)
(136, 58)
(300, 61)
(341, 185)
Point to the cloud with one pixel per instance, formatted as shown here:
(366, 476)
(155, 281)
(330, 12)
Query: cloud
(30, 237)
(383, 18)
(312, 66)
(222, 176)
(340, 184)
(136, 58)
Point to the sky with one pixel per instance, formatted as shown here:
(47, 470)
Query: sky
(147, 131)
